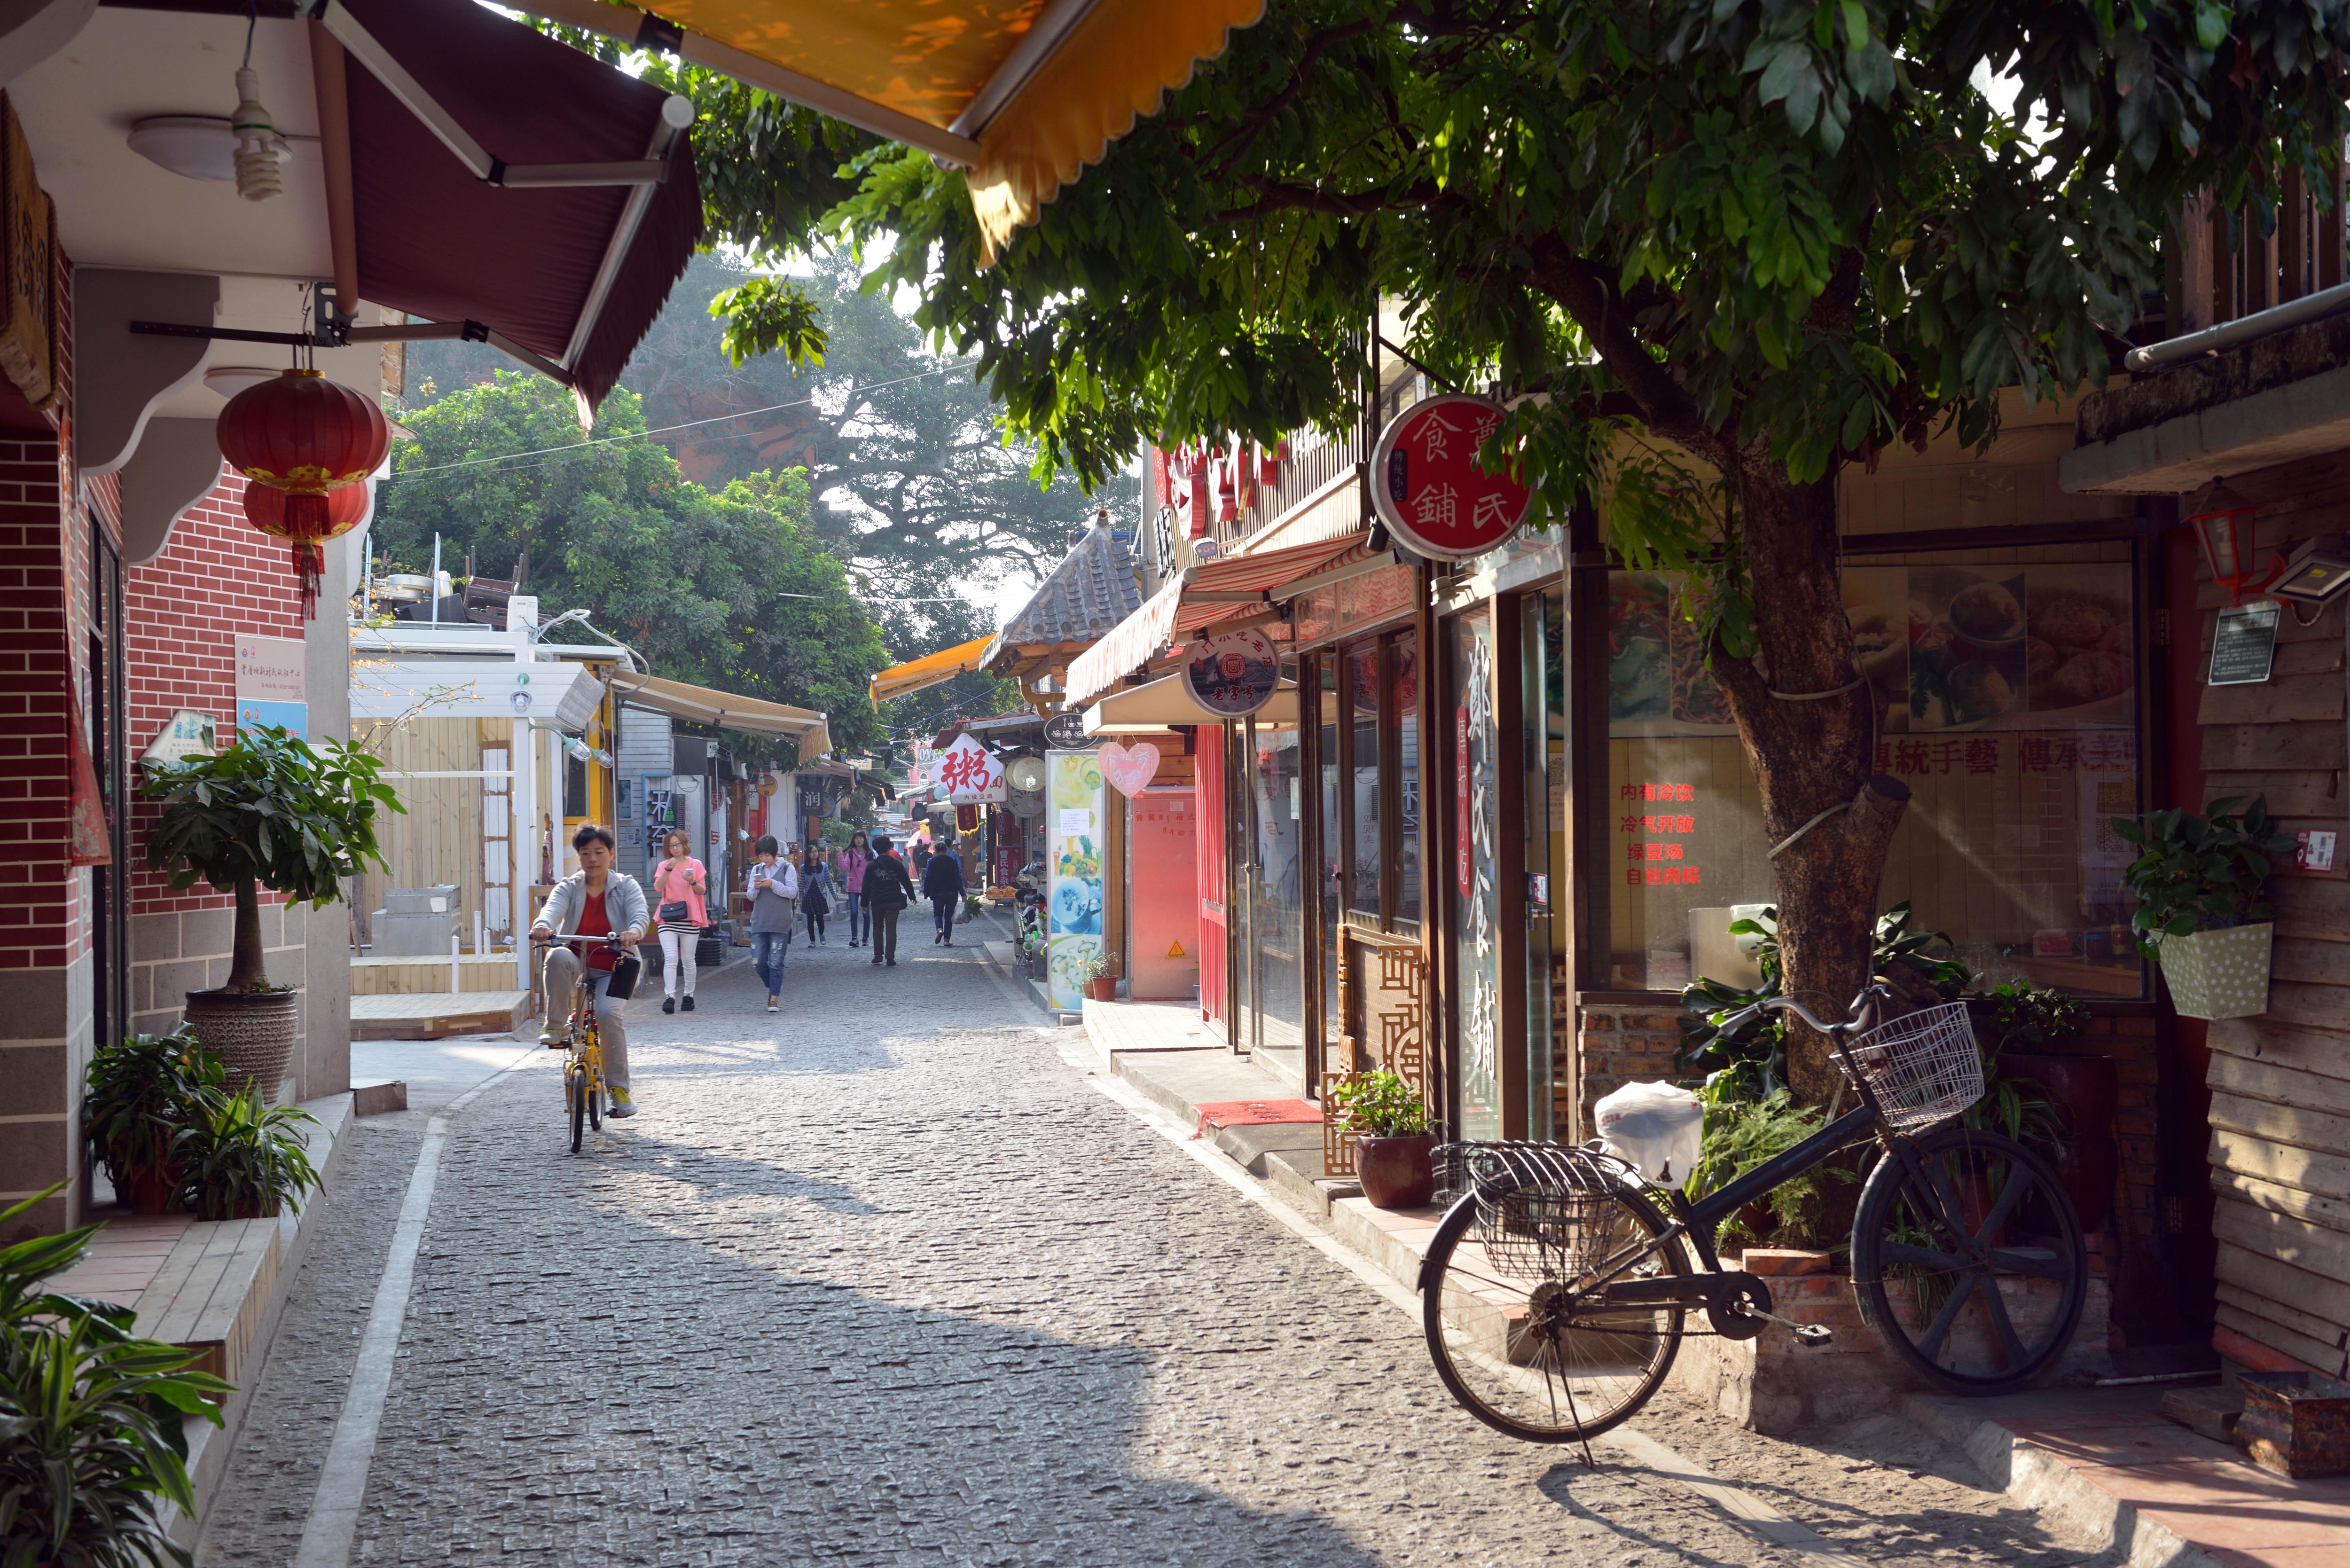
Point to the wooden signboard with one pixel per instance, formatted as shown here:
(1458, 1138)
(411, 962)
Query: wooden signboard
(28, 302)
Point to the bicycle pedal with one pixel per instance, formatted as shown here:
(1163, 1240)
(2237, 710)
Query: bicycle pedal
(1815, 1335)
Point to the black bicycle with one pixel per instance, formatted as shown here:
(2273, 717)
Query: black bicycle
(1556, 1291)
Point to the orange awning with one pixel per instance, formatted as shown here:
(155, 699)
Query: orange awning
(1022, 94)
(931, 669)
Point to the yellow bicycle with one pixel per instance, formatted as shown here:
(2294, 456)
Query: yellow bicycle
(585, 1092)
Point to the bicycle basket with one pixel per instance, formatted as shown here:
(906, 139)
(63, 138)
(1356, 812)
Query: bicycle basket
(1922, 1067)
(1545, 1211)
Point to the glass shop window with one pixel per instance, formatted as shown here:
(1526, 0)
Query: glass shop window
(2008, 686)
(1361, 689)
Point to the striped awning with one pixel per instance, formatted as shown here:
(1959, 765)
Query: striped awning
(931, 669)
(1203, 595)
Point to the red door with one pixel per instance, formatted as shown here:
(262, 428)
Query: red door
(1208, 788)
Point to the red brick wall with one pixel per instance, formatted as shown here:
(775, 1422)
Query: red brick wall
(40, 907)
(218, 577)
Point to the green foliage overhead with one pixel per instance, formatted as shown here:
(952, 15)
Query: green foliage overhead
(2201, 873)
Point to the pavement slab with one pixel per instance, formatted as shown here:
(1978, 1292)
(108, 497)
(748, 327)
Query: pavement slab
(887, 1278)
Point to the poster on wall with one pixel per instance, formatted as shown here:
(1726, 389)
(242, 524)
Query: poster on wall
(269, 685)
(1074, 825)
(1945, 647)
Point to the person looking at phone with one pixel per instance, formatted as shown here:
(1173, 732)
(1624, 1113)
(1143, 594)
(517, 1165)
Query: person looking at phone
(773, 889)
(593, 902)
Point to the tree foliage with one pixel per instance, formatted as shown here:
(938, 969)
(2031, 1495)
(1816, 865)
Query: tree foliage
(731, 590)
(1716, 249)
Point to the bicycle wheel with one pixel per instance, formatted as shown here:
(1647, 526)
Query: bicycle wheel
(575, 1095)
(1976, 1275)
(1498, 1301)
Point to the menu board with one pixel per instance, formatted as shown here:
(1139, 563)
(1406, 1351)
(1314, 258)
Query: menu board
(2243, 644)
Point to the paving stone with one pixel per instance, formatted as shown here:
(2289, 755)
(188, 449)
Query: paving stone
(881, 1280)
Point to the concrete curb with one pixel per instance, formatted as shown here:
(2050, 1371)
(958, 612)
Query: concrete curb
(2035, 1479)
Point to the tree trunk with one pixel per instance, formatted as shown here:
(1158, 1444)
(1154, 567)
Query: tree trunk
(1812, 754)
(245, 971)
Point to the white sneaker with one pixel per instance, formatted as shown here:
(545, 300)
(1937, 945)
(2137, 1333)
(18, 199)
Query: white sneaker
(773, 1006)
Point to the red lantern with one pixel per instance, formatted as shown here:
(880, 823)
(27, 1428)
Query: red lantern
(304, 445)
(2224, 528)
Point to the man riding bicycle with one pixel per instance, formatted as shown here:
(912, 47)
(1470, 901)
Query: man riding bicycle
(593, 902)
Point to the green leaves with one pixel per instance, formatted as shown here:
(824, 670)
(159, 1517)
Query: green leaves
(2201, 873)
(1378, 1104)
(270, 810)
(769, 316)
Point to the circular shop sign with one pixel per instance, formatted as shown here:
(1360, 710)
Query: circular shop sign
(1066, 732)
(1232, 674)
(1427, 487)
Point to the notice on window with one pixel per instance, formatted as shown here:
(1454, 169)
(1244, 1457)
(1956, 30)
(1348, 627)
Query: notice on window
(1077, 822)
(2244, 645)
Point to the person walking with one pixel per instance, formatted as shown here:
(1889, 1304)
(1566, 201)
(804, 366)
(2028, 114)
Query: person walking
(919, 855)
(815, 891)
(942, 886)
(593, 902)
(853, 862)
(888, 891)
(681, 885)
(772, 887)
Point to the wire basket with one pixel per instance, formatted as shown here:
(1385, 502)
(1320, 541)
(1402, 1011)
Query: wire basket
(1545, 1211)
(1923, 1068)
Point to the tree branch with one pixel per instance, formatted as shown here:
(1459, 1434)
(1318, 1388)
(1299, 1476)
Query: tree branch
(1590, 297)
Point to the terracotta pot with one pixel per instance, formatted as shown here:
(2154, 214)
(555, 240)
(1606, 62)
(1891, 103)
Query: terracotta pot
(252, 1033)
(151, 1191)
(1102, 989)
(1397, 1172)
(2089, 1089)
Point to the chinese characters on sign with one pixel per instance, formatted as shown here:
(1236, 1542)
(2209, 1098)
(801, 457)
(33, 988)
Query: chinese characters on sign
(1232, 673)
(1428, 487)
(972, 776)
(1657, 859)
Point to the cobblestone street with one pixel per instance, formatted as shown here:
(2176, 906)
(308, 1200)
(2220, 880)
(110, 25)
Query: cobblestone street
(883, 1280)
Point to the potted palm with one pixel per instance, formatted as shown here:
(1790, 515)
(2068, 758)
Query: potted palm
(1395, 1149)
(138, 1095)
(268, 812)
(2199, 881)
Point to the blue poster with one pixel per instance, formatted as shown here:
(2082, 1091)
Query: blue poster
(292, 717)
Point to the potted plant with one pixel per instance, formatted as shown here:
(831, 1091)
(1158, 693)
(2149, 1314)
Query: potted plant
(2198, 880)
(1101, 978)
(137, 1096)
(2063, 1101)
(1743, 1132)
(1395, 1151)
(90, 1439)
(243, 1159)
(268, 812)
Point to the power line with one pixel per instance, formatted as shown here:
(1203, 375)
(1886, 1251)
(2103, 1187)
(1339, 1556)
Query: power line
(647, 435)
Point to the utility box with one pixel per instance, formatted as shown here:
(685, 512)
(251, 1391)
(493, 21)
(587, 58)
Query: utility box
(415, 922)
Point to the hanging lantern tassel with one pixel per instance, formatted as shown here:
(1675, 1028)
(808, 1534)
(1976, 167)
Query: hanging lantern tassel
(308, 522)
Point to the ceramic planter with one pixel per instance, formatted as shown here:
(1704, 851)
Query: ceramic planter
(1103, 988)
(1397, 1172)
(2086, 1089)
(2219, 974)
(253, 1033)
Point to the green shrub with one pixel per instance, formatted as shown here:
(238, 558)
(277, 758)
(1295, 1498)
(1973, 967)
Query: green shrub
(243, 1159)
(1741, 1135)
(1378, 1105)
(2201, 873)
(137, 1096)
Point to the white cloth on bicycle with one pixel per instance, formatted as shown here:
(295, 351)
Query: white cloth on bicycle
(1658, 1127)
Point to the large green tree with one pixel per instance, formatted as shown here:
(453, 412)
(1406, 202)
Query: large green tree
(1715, 250)
(733, 590)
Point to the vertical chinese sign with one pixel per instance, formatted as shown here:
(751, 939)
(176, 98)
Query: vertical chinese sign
(1477, 916)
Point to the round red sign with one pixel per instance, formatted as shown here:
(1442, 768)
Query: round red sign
(1426, 484)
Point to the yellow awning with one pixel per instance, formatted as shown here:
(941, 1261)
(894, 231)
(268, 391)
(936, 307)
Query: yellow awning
(1022, 94)
(931, 669)
(748, 715)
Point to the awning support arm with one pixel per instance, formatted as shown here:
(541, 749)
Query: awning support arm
(340, 337)
(676, 116)
(494, 171)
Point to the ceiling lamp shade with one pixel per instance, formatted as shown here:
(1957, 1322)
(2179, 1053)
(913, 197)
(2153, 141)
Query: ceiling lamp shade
(2223, 525)
(304, 445)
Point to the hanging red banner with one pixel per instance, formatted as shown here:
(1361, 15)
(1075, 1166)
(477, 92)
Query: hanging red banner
(1428, 489)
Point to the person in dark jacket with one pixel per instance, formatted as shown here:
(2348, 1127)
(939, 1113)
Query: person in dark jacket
(888, 891)
(942, 886)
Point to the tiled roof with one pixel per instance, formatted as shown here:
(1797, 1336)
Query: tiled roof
(1090, 592)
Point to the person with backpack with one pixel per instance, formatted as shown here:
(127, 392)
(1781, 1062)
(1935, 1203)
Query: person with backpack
(888, 890)
(942, 885)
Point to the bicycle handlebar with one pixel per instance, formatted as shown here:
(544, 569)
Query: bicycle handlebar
(609, 941)
(1853, 1018)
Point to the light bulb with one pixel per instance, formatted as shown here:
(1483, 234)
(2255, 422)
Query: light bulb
(261, 153)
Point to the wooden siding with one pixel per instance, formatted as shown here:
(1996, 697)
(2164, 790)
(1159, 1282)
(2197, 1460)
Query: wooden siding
(2280, 1147)
(439, 840)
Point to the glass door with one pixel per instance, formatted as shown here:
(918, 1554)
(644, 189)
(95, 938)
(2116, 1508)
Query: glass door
(1278, 864)
(1542, 626)
(1240, 881)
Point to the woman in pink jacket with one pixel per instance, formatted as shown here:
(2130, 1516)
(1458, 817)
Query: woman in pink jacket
(851, 883)
(680, 886)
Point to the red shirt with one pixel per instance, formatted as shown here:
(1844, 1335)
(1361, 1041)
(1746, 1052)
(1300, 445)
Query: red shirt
(595, 921)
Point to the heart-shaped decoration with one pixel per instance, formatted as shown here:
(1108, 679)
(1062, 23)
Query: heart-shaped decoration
(1130, 769)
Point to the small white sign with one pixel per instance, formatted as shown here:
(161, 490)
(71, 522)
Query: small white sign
(1077, 822)
(269, 669)
(187, 734)
(2315, 852)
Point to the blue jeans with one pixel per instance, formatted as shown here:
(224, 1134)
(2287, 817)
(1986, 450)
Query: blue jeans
(767, 950)
(859, 921)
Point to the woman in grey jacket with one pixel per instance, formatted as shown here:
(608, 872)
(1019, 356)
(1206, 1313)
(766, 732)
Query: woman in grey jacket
(593, 902)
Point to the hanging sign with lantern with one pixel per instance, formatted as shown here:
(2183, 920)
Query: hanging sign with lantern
(306, 446)
(1232, 674)
(1428, 489)
(969, 774)
(1024, 779)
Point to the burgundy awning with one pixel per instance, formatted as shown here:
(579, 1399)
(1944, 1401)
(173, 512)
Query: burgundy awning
(436, 241)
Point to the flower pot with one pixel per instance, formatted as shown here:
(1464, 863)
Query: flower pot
(1397, 1172)
(253, 1033)
(2086, 1089)
(2219, 974)
(1103, 988)
(151, 1191)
